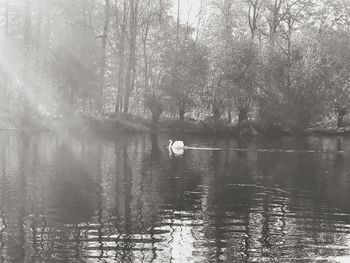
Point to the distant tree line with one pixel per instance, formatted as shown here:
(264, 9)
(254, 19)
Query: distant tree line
(284, 63)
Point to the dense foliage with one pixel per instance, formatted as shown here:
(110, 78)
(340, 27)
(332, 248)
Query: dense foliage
(282, 63)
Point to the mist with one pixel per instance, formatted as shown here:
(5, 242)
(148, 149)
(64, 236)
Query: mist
(143, 64)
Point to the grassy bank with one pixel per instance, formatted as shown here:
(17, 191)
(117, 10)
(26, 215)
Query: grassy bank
(126, 123)
(199, 127)
(329, 131)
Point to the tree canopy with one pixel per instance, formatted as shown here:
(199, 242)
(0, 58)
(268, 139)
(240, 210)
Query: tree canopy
(283, 63)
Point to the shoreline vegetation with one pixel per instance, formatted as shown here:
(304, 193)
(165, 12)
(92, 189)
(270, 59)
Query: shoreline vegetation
(127, 123)
(262, 67)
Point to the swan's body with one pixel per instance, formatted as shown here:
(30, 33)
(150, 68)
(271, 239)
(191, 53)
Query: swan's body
(176, 144)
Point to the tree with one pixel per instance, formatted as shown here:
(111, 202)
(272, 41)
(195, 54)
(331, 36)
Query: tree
(75, 69)
(294, 106)
(335, 51)
(155, 37)
(121, 56)
(215, 92)
(186, 73)
(103, 54)
(241, 68)
(253, 14)
(131, 70)
(264, 58)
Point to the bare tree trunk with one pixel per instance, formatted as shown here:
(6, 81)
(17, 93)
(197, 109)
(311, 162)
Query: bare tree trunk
(131, 71)
(273, 26)
(228, 26)
(182, 109)
(177, 24)
(199, 20)
(341, 111)
(121, 55)
(160, 14)
(289, 52)
(91, 3)
(181, 113)
(216, 113)
(254, 7)
(229, 116)
(84, 13)
(145, 58)
(38, 36)
(242, 115)
(275, 13)
(7, 7)
(103, 56)
(3, 74)
(48, 33)
(25, 118)
(27, 27)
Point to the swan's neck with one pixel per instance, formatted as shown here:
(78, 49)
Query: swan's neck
(170, 142)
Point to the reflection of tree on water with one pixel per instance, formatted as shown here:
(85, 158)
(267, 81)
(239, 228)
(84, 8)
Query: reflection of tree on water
(134, 196)
(155, 152)
(244, 204)
(150, 173)
(117, 219)
(72, 189)
(127, 185)
(24, 169)
(70, 202)
(3, 196)
(221, 205)
(219, 215)
(225, 169)
(99, 204)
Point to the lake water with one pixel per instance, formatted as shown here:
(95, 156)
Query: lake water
(83, 199)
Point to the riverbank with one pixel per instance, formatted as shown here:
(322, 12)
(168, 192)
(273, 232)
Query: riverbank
(329, 131)
(127, 123)
(122, 123)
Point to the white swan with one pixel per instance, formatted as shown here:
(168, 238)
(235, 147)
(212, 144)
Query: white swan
(176, 144)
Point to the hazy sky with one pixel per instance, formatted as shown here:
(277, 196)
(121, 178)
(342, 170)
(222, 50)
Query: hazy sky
(188, 9)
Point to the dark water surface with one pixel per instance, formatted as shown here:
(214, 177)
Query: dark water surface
(69, 199)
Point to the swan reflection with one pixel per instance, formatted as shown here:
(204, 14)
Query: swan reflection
(176, 152)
